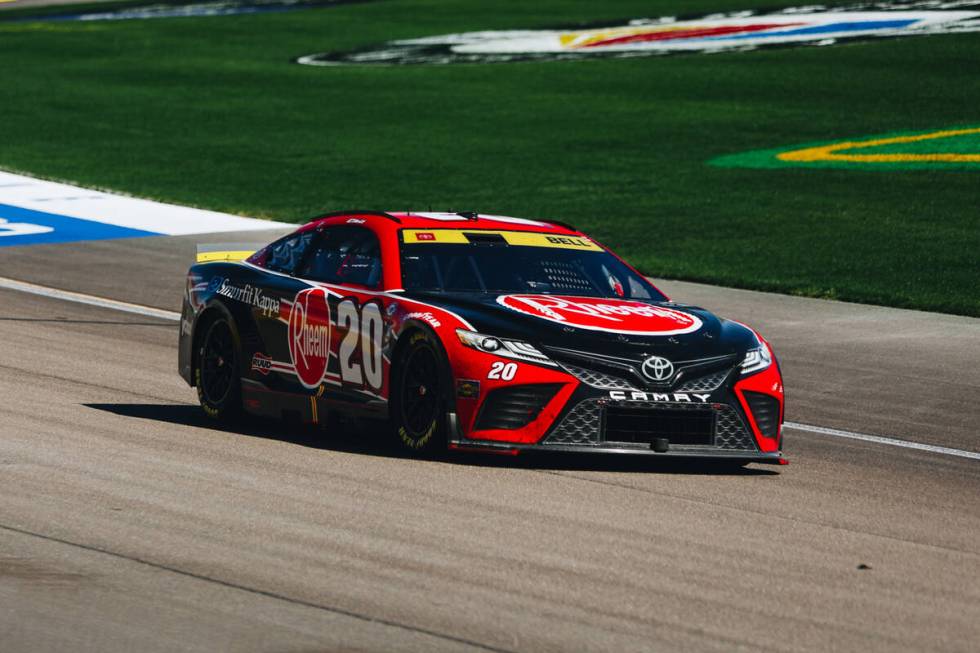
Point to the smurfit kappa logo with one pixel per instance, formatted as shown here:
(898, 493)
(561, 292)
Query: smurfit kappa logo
(657, 368)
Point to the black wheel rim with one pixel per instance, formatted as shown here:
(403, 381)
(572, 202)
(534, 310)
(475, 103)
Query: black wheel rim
(218, 363)
(420, 392)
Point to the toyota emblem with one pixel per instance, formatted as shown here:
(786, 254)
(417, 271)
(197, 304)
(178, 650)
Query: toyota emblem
(657, 368)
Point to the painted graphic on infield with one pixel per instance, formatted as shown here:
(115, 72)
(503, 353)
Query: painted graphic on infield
(20, 226)
(36, 211)
(936, 149)
(738, 31)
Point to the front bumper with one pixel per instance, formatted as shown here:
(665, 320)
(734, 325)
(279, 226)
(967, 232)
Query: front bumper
(458, 442)
(591, 420)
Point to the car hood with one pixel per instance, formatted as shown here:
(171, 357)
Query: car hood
(623, 328)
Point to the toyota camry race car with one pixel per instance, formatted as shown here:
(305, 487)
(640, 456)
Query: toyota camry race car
(474, 332)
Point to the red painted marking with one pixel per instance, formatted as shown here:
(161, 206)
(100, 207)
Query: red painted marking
(689, 33)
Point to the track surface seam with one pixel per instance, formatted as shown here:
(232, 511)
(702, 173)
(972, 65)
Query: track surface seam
(54, 377)
(257, 591)
(768, 515)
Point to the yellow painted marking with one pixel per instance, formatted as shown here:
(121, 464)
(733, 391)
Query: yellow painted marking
(316, 418)
(208, 257)
(830, 152)
(521, 238)
(583, 39)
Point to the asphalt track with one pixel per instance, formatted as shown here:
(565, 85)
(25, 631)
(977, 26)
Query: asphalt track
(128, 522)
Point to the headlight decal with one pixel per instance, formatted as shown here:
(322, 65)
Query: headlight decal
(503, 347)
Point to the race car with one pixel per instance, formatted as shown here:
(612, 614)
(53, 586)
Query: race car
(473, 332)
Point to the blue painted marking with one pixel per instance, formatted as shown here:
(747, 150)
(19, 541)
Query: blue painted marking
(20, 226)
(848, 26)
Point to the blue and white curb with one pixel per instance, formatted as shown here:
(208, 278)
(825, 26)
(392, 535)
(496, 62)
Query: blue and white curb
(35, 211)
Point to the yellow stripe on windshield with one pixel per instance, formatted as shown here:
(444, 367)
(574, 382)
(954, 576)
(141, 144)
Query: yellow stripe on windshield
(520, 238)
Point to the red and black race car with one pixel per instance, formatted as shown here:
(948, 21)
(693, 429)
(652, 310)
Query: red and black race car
(474, 332)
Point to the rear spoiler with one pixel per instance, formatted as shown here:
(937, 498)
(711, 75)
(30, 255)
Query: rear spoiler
(210, 252)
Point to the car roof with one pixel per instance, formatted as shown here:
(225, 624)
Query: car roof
(435, 220)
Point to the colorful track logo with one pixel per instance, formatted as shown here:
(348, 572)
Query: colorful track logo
(947, 148)
(797, 26)
(309, 336)
(599, 314)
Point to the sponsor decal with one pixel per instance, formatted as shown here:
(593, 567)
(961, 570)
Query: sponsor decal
(936, 149)
(467, 389)
(517, 238)
(743, 30)
(249, 294)
(676, 397)
(261, 364)
(309, 336)
(426, 317)
(601, 314)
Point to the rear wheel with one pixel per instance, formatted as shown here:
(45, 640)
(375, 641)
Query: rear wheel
(218, 377)
(418, 396)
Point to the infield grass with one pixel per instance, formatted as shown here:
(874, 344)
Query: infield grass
(211, 112)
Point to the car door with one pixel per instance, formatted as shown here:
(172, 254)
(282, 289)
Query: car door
(342, 306)
(273, 289)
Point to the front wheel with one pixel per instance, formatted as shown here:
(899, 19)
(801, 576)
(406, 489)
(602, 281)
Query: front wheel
(218, 378)
(418, 395)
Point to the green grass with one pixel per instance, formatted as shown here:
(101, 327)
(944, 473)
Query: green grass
(210, 112)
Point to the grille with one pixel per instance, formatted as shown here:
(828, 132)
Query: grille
(704, 383)
(596, 379)
(515, 406)
(765, 410)
(583, 424)
(644, 425)
(580, 426)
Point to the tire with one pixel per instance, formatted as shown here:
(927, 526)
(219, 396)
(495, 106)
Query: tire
(418, 397)
(217, 374)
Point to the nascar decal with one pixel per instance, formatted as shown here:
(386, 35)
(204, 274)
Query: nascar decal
(609, 315)
(744, 30)
(309, 336)
(944, 148)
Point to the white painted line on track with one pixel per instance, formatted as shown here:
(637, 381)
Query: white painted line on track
(102, 302)
(91, 300)
(878, 439)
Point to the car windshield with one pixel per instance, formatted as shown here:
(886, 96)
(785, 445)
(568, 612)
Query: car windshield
(516, 262)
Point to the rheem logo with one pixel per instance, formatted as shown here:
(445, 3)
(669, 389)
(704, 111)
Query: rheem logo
(309, 336)
(604, 314)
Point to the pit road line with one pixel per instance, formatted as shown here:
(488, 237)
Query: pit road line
(258, 591)
(878, 439)
(92, 300)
